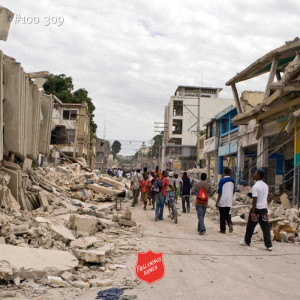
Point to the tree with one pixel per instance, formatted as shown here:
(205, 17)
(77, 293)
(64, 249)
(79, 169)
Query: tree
(116, 148)
(62, 87)
(154, 150)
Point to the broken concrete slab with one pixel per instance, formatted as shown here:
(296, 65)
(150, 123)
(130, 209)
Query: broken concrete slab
(38, 262)
(103, 190)
(92, 256)
(84, 224)
(61, 233)
(84, 243)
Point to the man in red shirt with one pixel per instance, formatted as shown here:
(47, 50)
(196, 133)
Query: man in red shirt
(165, 183)
(145, 186)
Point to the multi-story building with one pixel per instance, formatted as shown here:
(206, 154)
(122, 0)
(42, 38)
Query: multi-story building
(220, 146)
(71, 129)
(183, 123)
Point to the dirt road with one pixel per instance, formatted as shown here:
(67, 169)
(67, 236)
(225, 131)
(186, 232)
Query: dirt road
(212, 266)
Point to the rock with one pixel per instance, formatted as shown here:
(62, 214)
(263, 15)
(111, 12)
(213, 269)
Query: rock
(279, 212)
(284, 199)
(84, 243)
(19, 229)
(56, 281)
(61, 233)
(237, 220)
(102, 190)
(283, 236)
(84, 224)
(104, 282)
(8, 294)
(125, 222)
(115, 218)
(92, 256)
(82, 284)
(17, 281)
(42, 220)
(106, 223)
(2, 240)
(127, 215)
(38, 262)
(68, 276)
(279, 226)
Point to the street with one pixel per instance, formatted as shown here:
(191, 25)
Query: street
(212, 266)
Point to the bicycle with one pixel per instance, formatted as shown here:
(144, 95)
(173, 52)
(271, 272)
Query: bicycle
(172, 207)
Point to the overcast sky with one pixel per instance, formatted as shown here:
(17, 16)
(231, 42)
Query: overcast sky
(131, 55)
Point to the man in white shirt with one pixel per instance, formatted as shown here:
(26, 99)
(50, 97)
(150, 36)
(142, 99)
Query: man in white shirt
(226, 190)
(259, 211)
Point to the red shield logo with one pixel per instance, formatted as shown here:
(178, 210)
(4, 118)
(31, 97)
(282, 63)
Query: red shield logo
(150, 266)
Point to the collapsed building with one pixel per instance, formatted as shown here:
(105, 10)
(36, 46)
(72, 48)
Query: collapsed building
(269, 137)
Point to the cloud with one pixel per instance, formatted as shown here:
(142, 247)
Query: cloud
(131, 55)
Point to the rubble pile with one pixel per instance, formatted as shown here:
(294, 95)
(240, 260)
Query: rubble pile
(65, 236)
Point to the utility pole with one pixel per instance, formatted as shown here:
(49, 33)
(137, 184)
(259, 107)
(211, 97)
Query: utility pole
(199, 125)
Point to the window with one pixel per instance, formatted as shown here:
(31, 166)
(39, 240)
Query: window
(70, 114)
(71, 135)
(225, 126)
(178, 108)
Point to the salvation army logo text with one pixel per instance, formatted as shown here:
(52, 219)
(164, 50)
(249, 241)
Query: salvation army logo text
(150, 266)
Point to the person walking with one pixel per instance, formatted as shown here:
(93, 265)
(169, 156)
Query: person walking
(158, 172)
(177, 187)
(203, 190)
(145, 186)
(159, 199)
(259, 212)
(185, 191)
(135, 186)
(152, 192)
(165, 184)
(225, 197)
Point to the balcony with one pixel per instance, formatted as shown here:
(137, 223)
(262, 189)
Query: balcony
(211, 144)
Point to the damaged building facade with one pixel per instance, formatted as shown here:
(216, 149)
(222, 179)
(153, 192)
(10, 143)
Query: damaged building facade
(184, 116)
(71, 130)
(269, 136)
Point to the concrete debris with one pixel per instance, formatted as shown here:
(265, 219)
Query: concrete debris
(91, 256)
(104, 282)
(38, 262)
(56, 282)
(51, 216)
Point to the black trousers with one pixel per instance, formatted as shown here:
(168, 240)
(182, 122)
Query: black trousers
(224, 216)
(262, 219)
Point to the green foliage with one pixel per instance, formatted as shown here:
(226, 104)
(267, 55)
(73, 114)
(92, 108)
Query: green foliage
(157, 143)
(62, 87)
(116, 148)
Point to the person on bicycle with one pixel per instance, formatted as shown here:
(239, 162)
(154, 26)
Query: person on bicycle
(204, 190)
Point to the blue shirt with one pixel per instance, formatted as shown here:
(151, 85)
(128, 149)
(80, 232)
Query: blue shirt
(186, 186)
(227, 189)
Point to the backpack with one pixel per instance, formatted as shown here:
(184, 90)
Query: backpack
(202, 196)
(156, 186)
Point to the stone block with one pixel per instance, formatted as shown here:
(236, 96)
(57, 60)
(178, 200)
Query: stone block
(61, 233)
(92, 256)
(84, 224)
(82, 284)
(104, 282)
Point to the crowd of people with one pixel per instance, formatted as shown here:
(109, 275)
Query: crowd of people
(155, 188)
